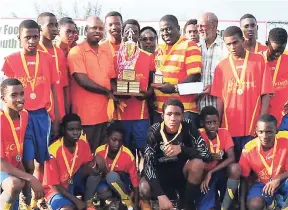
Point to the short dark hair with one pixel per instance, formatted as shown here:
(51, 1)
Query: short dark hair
(9, 82)
(114, 14)
(189, 22)
(233, 30)
(28, 24)
(66, 20)
(44, 14)
(247, 16)
(170, 18)
(115, 127)
(268, 118)
(278, 35)
(208, 110)
(148, 28)
(132, 22)
(69, 118)
(173, 102)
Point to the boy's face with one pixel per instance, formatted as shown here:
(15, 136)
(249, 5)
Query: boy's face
(67, 33)
(13, 97)
(115, 141)
(173, 116)
(266, 133)
(73, 131)
(49, 27)
(234, 44)
(29, 39)
(211, 125)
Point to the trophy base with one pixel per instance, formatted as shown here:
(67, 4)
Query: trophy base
(158, 79)
(128, 94)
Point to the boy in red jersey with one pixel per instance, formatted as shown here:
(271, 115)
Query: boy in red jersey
(48, 31)
(277, 63)
(267, 157)
(69, 171)
(223, 167)
(14, 120)
(36, 71)
(121, 169)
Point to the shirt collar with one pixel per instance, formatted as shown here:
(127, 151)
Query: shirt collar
(218, 41)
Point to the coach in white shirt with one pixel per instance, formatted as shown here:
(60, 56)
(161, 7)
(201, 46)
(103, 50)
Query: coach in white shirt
(213, 51)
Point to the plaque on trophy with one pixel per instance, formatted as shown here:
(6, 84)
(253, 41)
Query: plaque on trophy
(126, 59)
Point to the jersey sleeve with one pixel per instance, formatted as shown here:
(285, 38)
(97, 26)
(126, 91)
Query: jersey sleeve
(6, 69)
(75, 61)
(244, 164)
(132, 170)
(217, 85)
(267, 84)
(228, 140)
(193, 59)
(150, 163)
(51, 173)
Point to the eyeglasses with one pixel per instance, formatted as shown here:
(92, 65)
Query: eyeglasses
(145, 39)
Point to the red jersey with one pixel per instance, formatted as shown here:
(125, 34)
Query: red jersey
(259, 48)
(8, 144)
(55, 170)
(250, 158)
(62, 74)
(125, 162)
(113, 48)
(138, 110)
(242, 109)
(223, 138)
(278, 69)
(46, 76)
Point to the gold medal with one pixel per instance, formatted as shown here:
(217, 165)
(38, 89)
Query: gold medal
(240, 91)
(18, 158)
(71, 180)
(33, 96)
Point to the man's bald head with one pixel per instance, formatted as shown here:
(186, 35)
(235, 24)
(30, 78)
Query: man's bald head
(94, 29)
(207, 26)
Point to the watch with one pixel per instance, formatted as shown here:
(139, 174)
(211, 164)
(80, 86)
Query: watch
(176, 90)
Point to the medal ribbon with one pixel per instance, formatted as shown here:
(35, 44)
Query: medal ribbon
(276, 70)
(15, 136)
(55, 54)
(33, 83)
(212, 145)
(166, 142)
(268, 168)
(256, 47)
(242, 76)
(115, 159)
(69, 169)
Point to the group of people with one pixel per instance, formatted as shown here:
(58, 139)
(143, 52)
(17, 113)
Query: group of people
(69, 141)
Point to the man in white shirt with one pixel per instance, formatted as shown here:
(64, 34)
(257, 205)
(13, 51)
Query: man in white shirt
(213, 51)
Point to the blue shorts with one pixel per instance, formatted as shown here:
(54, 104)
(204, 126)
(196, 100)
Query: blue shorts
(57, 201)
(37, 136)
(257, 189)
(135, 133)
(217, 183)
(4, 176)
(239, 143)
(284, 124)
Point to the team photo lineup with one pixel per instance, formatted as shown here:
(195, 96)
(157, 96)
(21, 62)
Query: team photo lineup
(132, 118)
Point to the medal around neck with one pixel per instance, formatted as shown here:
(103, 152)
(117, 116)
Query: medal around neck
(126, 59)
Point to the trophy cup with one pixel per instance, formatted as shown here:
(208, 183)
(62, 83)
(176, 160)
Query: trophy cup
(158, 76)
(126, 59)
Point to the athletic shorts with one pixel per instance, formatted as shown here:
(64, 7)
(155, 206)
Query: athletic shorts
(284, 124)
(257, 191)
(218, 183)
(135, 136)
(37, 136)
(239, 143)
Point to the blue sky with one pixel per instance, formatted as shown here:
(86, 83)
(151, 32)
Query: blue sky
(154, 9)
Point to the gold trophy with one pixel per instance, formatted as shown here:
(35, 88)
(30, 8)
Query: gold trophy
(126, 59)
(158, 76)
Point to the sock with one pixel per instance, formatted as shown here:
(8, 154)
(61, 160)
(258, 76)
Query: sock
(6, 200)
(124, 197)
(91, 186)
(232, 187)
(192, 196)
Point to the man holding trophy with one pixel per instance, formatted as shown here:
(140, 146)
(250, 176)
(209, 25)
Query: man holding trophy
(177, 61)
(132, 70)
